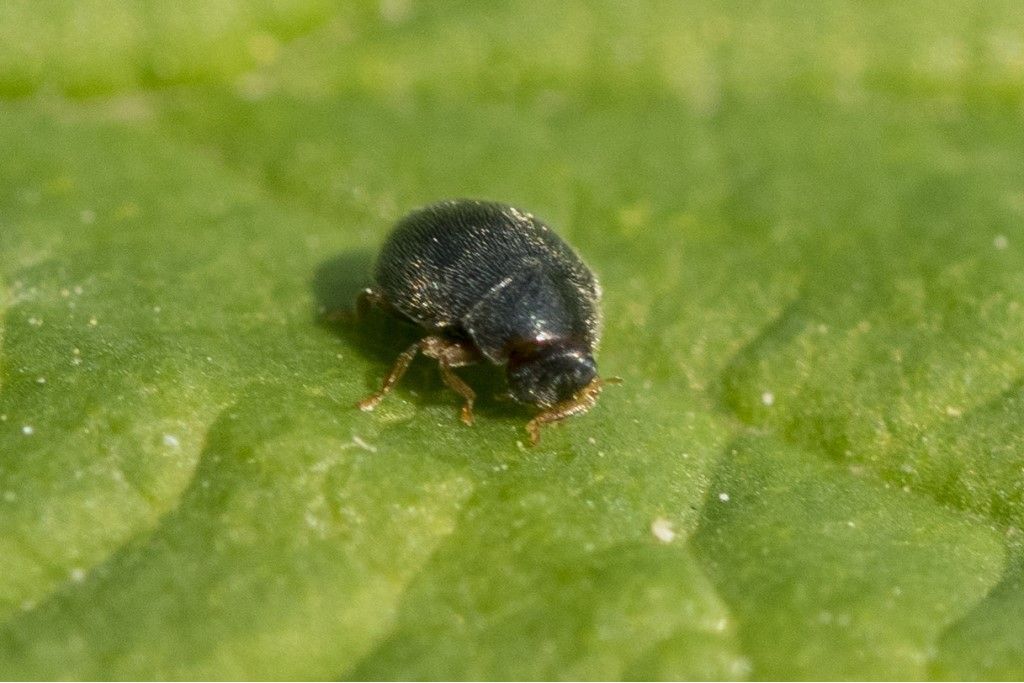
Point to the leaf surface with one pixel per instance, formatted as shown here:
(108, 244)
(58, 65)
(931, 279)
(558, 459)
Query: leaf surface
(807, 223)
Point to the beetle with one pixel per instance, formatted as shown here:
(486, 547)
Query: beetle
(490, 283)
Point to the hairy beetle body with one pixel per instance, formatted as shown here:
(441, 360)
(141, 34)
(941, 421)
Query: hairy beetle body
(491, 272)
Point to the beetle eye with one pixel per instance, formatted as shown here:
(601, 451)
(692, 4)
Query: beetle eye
(581, 373)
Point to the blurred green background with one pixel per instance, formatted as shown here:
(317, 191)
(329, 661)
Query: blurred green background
(808, 221)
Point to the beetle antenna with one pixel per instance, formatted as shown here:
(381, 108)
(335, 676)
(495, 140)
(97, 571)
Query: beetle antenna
(582, 401)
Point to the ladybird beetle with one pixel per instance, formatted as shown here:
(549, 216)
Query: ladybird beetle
(488, 282)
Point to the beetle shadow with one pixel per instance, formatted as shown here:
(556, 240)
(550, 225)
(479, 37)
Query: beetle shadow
(381, 337)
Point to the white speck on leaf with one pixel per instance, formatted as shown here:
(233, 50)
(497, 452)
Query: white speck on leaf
(724, 497)
(93, 322)
(40, 380)
(768, 398)
(171, 441)
(1000, 242)
(77, 575)
(662, 530)
(313, 522)
(28, 430)
(362, 444)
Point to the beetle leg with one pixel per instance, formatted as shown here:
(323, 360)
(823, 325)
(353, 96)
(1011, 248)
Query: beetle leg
(367, 299)
(456, 384)
(450, 355)
(397, 370)
(583, 401)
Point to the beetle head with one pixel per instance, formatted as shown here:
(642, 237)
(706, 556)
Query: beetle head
(550, 375)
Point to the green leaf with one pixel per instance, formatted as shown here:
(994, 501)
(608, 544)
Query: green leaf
(90, 46)
(807, 222)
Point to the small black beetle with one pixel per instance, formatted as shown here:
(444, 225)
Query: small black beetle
(491, 282)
